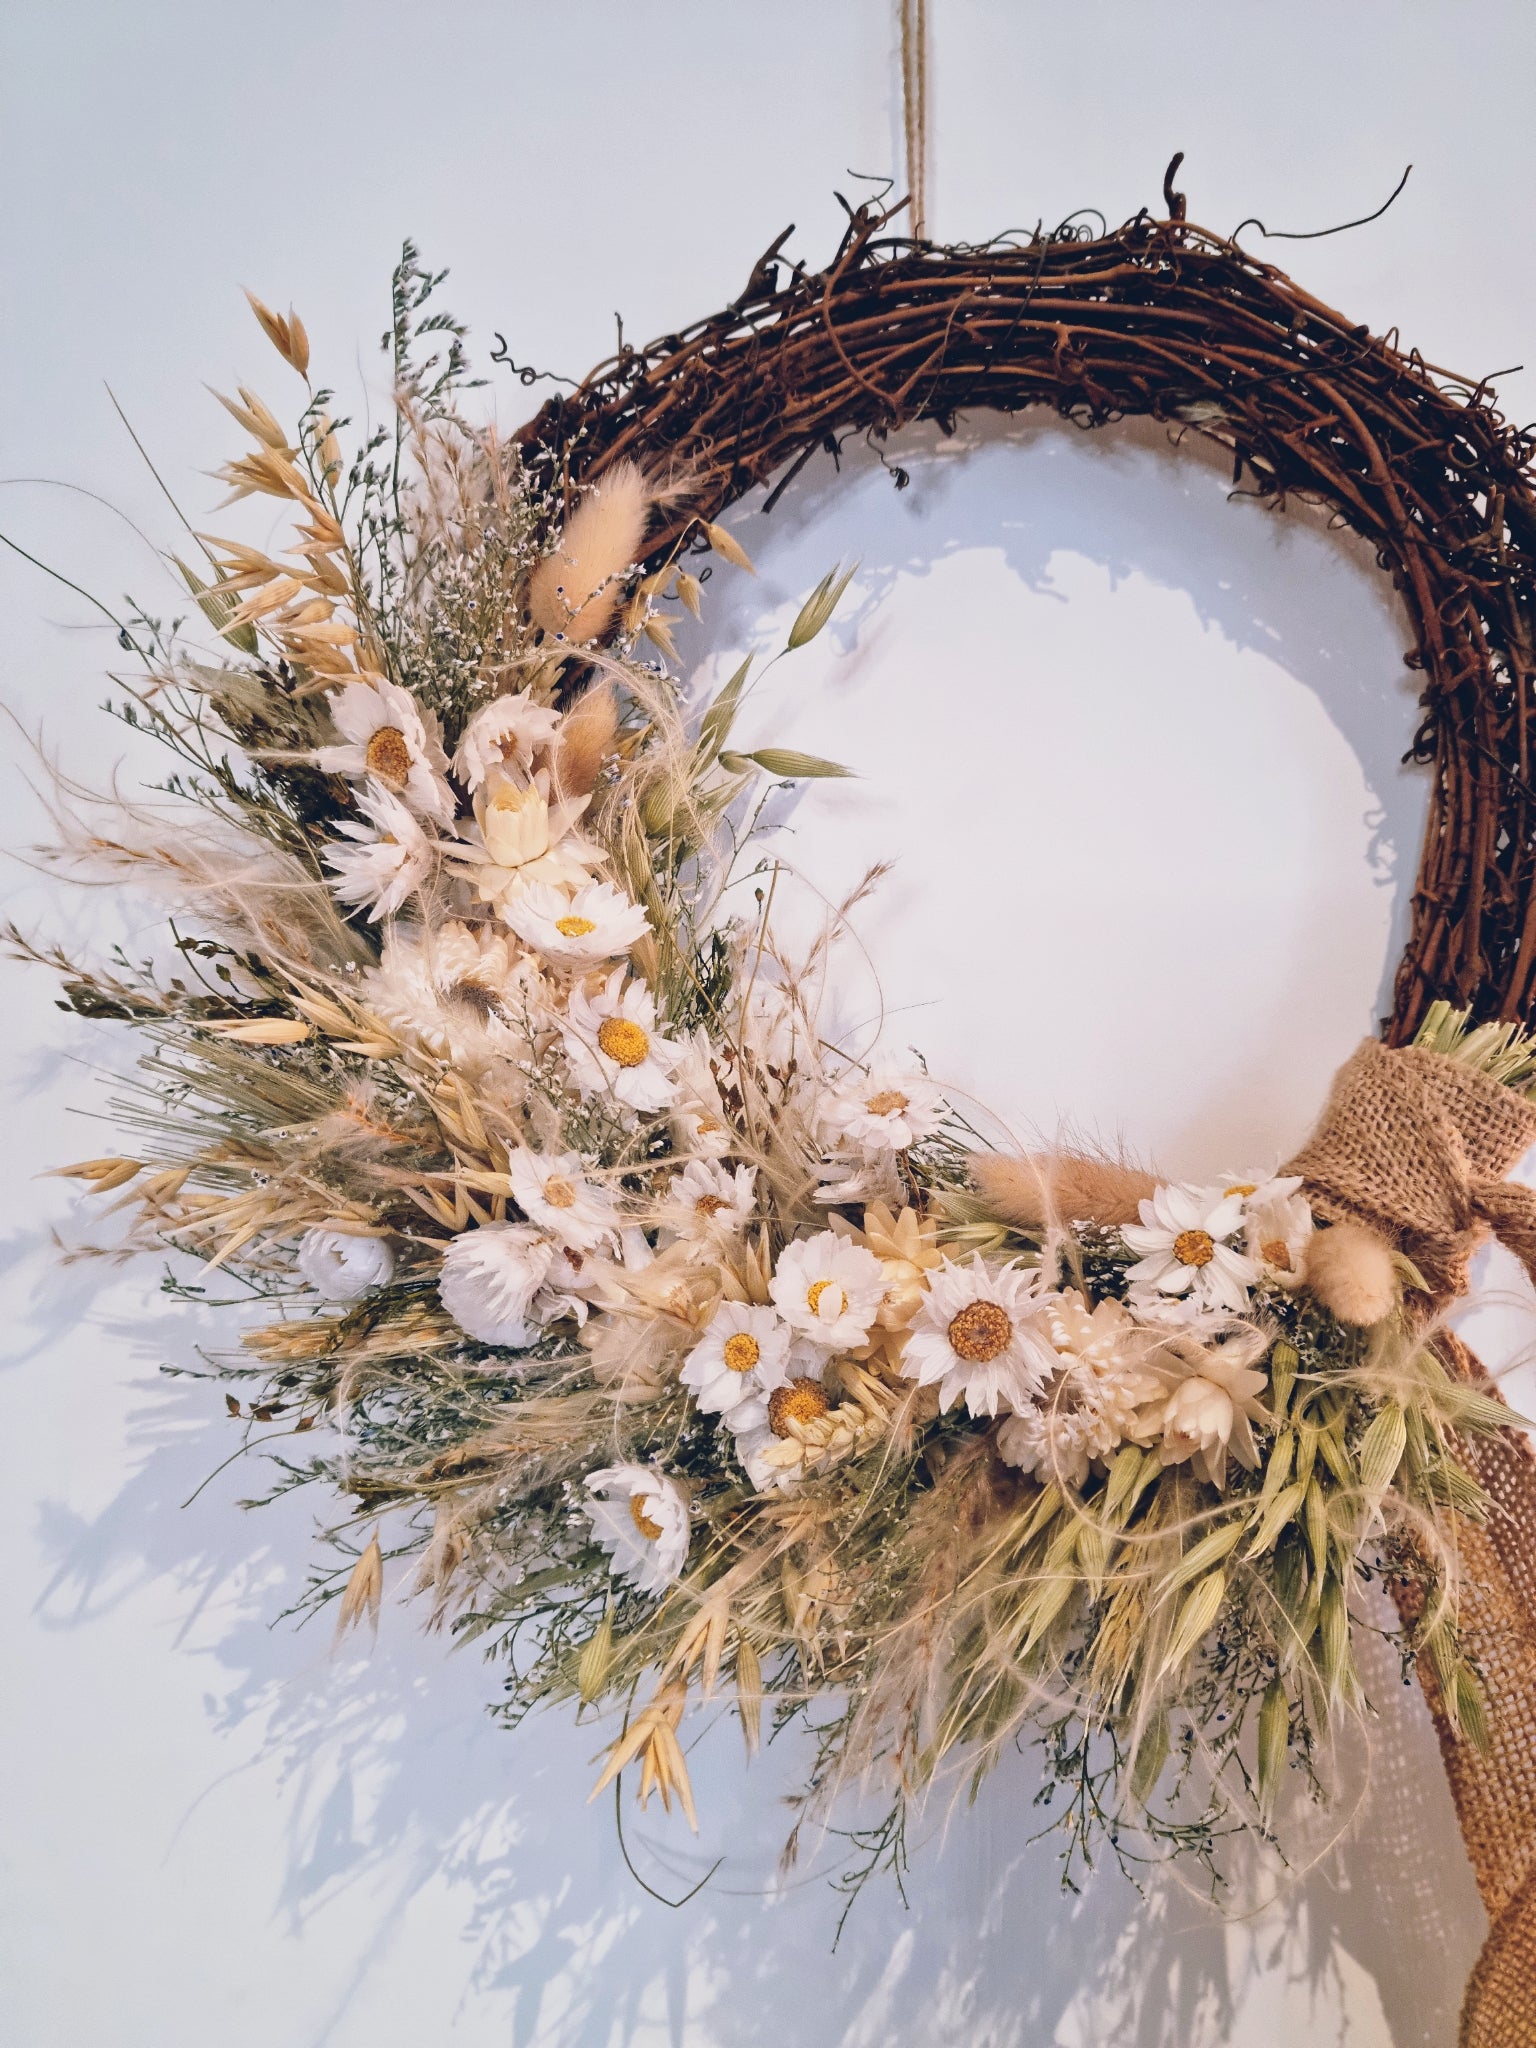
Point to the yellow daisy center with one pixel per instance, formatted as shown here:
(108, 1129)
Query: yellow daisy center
(889, 1102)
(1277, 1253)
(623, 1040)
(708, 1126)
(559, 1192)
(801, 1401)
(980, 1332)
(742, 1351)
(1246, 1187)
(388, 757)
(1194, 1248)
(817, 1289)
(711, 1205)
(641, 1519)
(574, 927)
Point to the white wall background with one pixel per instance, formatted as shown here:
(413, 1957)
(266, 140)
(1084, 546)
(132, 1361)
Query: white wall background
(1135, 750)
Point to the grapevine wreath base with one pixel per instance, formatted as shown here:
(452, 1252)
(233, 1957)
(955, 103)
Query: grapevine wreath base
(688, 1354)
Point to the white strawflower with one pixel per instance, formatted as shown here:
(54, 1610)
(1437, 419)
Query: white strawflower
(1090, 1405)
(640, 1517)
(489, 1280)
(386, 738)
(466, 994)
(391, 859)
(886, 1110)
(742, 1356)
(522, 835)
(598, 923)
(829, 1290)
(343, 1267)
(506, 733)
(706, 1199)
(1277, 1235)
(576, 1283)
(611, 1042)
(1210, 1402)
(767, 1423)
(1184, 1244)
(698, 1116)
(981, 1334)
(552, 1190)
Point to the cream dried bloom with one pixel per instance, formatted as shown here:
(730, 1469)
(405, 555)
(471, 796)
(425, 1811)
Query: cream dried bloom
(342, 1267)
(504, 735)
(390, 857)
(640, 1517)
(598, 923)
(886, 1110)
(552, 1190)
(463, 992)
(828, 1290)
(490, 1279)
(980, 1334)
(388, 739)
(613, 1047)
(1184, 1243)
(742, 1356)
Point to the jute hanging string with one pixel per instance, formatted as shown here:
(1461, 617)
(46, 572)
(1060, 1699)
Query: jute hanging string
(1166, 320)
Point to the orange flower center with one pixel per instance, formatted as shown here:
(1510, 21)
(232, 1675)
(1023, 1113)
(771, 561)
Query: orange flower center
(625, 1043)
(574, 927)
(711, 1205)
(1277, 1253)
(1194, 1248)
(1244, 1187)
(889, 1102)
(980, 1332)
(801, 1401)
(641, 1519)
(388, 757)
(559, 1192)
(742, 1351)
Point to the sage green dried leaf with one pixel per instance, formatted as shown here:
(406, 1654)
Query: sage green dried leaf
(1151, 1755)
(1283, 1361)
(715, 727)
(1381, 1449)
(1212, 1547)
(786, 762)
(1282, 1509)
(1274, 1742)
(819, 606)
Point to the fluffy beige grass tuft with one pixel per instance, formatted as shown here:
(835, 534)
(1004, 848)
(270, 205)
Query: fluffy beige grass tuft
(1040, 1188)
(576, 590)
(587, 735)
(1350, 1270)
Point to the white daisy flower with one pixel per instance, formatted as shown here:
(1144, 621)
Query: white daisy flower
(386, 737)
(640, 1517)
(598, 923)
(981, 1333)
(742, 1356)
(391, 859)
(1277, 1234)
(576, 1283)
(886, 1110)
(506, 733)
(762, 1422)
(1090, 1405)
(1183, 1240)
(521, 836)
(489, 1280)
(552, 1190)
(698, 1115)
(466, 994)
(611, 1042)
(343, 1267)
(1254, 1190)
(829, 1290)
(706, 1200)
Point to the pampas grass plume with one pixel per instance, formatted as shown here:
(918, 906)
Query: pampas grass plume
(1049, 1187)
(575, 591)
(1350, 1270)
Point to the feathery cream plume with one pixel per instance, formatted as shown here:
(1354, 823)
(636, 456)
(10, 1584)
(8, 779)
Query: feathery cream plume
(1038, 1188)
(1351, 1271)
(587, 735)
(574, 592)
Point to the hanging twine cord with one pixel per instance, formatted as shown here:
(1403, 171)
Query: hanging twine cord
(914, 110)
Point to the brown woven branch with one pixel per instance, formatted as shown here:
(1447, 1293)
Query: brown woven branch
(1165, 320)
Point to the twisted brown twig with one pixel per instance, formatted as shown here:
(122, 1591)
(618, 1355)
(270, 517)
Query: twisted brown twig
(1164, 319)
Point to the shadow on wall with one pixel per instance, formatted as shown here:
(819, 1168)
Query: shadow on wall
(1298, 894)
(393, 1780)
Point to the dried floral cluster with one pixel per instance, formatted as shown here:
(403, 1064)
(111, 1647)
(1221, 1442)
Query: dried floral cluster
(676, 1348)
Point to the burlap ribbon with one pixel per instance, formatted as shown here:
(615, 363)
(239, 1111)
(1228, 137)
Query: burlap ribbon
(1417, 1147)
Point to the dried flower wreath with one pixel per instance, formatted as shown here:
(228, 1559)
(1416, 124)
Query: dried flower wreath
(681, 1350)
